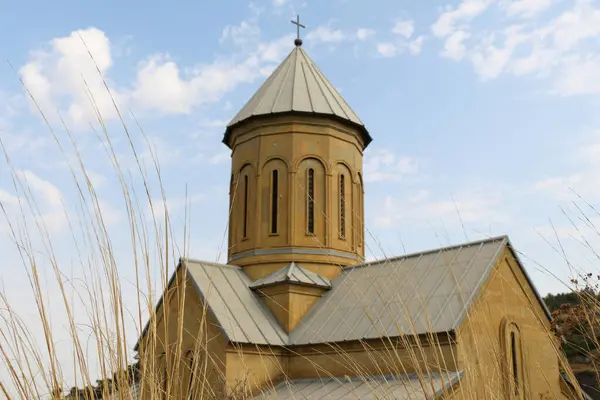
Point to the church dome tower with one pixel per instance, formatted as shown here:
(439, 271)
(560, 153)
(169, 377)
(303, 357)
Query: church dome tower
(296, 190)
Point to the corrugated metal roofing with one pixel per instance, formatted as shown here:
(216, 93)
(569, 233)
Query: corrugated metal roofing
(405, 386)
(297, 85)
(292, 274)
(413, 294)
(241, 314)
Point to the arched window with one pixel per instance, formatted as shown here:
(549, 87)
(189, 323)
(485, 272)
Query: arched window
(164, 376)
(310, 208)
(514, 362)
(342, 207)
(192, 375)
(245, 222)
(513, 354)
(274, 200)
(360, 210)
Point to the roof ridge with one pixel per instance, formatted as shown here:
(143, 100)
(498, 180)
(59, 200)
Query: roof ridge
(210, 263)
(290, 270)
(292, 273)
(334, 93)
(285, 77)
(429, 251)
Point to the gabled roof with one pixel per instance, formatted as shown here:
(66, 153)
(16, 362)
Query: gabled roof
(224, 289)
(408, 295)
(292, 274)
(297, 86)
(403, 386)
(413, 294)
(241, 314)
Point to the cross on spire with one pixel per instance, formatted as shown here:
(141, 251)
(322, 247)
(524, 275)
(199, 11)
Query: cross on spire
(298, 41)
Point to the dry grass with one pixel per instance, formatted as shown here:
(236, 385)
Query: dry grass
(101, 358)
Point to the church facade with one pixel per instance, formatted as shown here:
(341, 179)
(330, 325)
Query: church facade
(297, 313)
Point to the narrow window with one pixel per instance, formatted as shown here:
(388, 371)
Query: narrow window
(361, 213)
(191, 385)
(245, 206)
(515, 364)
(342, 207)
(274, 201)
(311, 201)
(165, 381)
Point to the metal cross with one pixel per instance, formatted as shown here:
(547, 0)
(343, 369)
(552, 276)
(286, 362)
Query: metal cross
(298, 26)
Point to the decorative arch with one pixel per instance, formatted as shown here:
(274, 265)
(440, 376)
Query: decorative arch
(315, 157)
(274, 197)
(351, 171)
(513, 360)
(275, 158)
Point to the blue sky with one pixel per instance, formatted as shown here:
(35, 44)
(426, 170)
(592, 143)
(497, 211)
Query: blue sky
(487, 109)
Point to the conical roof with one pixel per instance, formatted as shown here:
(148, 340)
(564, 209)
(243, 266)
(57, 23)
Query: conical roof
(297, 86)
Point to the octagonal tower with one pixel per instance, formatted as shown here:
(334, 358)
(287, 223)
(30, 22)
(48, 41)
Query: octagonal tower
(296, 190)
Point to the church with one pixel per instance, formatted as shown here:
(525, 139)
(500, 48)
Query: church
(297, 312)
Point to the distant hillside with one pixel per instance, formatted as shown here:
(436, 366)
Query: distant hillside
(576, 316)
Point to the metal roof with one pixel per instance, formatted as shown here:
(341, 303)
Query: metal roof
(292, 274)
(297, 85)
(405, 386)
(241, 314)
(412, 294)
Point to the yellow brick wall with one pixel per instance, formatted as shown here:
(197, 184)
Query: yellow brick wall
(507, 297)
(292, 145)
(188, 331)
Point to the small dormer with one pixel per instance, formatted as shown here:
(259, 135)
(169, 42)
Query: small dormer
(290, 292)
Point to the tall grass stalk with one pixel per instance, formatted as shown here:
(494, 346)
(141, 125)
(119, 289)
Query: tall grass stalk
(101, 360)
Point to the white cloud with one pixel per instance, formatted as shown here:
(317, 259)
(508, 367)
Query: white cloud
(41, 200)
(454, 47)
(364, 33)
(400, 43)
(160, 86)
(563, 49)
(383, 165)
(51, 195)
(244, 33)
(579, 75)
(527, 8)
(387, 49)
(58, 74)
(473, 206)
(491, 60)
(447, 22)
(416, 45)
(8, 199)
(326, 34)
(279, 3)
(54, 76)
(404, 28)
(584, 180)
(274, 51)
